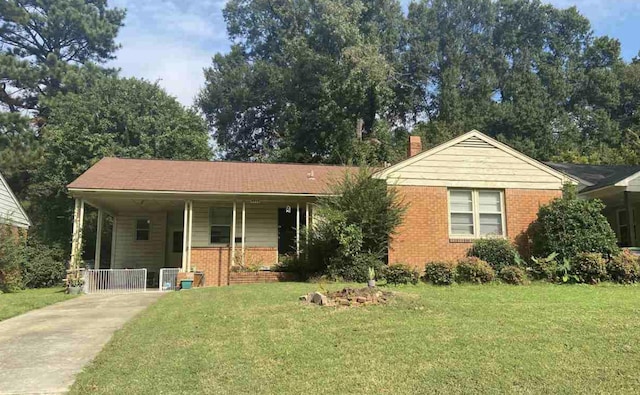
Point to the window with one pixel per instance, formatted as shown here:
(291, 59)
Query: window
(475, 213)
(143, 226)
(220, 224)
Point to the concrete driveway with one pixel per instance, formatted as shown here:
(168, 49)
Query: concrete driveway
(42, 351)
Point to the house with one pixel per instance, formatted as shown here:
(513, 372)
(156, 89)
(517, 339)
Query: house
(11, 212)
(618, 186)
(214, 215)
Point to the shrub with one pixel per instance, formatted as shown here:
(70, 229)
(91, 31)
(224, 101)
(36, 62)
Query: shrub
(44, 266)
(475, 270)
(513, 275)
(545, 268)
(570, 226)
(440, 273)
(590, 268)
(355, 223)
(12, 257)
(400, 274)
(355, 269)
(496, 252)
(624, 268)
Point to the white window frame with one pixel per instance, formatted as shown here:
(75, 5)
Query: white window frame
(475, 203)
(212, 225)
(135, 229)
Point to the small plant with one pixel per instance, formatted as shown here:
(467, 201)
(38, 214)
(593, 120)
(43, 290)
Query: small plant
(589, 267)
(401, 274)
(372, 277)
(624, 268)
(496, 252)
(475, 270)
(513, 275)
(440, 273)
(545, 268)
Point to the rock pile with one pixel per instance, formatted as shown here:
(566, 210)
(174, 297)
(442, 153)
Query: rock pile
(348, 297)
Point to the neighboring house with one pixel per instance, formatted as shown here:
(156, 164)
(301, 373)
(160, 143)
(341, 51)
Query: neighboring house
(11, 212)
(212, 215)
(618, 186)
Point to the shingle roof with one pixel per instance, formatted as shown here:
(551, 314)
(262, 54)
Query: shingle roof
(596, 176)
(203, 176)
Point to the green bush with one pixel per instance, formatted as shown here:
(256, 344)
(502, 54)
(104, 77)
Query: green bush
(440, 273)
(589, 267)
(624, 268)
(357, 220)
(545, 268)
(44, 266)
(497, 252)
(570, 226)
(475, 270)
(12, 258)
(400, 274)
(513, 275)
(355, 269)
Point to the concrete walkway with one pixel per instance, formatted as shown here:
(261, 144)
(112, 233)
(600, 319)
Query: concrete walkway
(42, 351)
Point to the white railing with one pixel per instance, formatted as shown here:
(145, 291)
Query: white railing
(169, 278)
(115, 280)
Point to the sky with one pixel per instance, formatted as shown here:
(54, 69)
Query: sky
(171, 41)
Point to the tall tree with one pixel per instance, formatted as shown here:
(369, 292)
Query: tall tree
(113, 117)
(301, 75)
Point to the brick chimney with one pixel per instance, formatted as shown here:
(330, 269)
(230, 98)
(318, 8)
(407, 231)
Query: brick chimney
(415, 146)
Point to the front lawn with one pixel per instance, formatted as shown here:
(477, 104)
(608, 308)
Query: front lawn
(459, 339)
(12, 304)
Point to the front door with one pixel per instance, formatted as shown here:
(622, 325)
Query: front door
(287, 229)
(175, 248)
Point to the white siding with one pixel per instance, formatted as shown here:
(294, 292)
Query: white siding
(474, 163)
(10, 210)
(261, 224)
(131, 253)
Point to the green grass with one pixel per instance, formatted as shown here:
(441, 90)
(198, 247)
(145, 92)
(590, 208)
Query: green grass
(460, 339)
(12, 304)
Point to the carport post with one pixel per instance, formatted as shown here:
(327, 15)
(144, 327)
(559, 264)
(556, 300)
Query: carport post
(233, 235)
(297, 229)
(243, 230)
(99, 238)
(76, 240)
(185, 230)
(190, 235)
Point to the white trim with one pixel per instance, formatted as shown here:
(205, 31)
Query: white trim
(114, 234)
(233, 235)
(243, 231)
(189, 193)
(297, 229)
(185, 230)
(17, 202)
(383, 174)
(190, 236)
(475, 202)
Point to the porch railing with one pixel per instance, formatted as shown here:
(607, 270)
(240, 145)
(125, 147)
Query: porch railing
(168, 279)
(115, 280)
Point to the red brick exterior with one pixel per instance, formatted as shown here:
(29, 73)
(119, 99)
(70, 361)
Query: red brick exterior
(259, 277)
(424, 234)
(216, 261)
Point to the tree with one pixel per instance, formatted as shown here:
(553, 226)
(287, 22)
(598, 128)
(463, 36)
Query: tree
(113, 117)
(300, 76)
(41, 40)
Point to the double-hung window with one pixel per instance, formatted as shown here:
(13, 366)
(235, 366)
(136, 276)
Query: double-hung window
(143, 227)
(220, 225)
(476, 213)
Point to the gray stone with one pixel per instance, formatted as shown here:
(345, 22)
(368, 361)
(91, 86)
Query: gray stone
(319, 299)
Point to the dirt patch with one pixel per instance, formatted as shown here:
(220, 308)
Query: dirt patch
(349, 297)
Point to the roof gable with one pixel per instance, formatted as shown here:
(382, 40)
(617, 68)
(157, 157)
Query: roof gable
(474, 159)
(11, 210)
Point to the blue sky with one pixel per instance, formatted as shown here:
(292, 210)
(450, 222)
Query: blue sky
(171, 41)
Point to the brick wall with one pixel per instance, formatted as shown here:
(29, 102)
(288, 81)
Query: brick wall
(259, 277)
(424, 234)
(215, 261)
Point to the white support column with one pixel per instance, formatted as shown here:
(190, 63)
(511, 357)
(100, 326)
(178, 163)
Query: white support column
(233, 235)
(297, 229)
(243, 231)
(185, 233)
(76, 238)
(114, 233)
(306, 228)
(630, 220)
(99, 238)
(190, 238)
